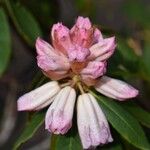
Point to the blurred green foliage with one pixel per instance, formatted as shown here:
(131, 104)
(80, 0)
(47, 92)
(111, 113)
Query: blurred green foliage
(5, 41)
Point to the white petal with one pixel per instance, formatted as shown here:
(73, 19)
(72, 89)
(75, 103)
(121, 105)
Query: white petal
(92, 124)
(48, 102)
(38, 97)
(116, 89)
(101, 118)
(83, 123)
(59, 115)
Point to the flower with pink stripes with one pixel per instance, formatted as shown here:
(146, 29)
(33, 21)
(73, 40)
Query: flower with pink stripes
(76, 60)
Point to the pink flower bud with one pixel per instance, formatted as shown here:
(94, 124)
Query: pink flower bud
(61, 38)
(82, 32)
(58, 118)
(79, 54)
(49, 59)
(116, 89)
(83, 23)
(97, 36)
(94, 69)
(102, 50)
(92, 124)
(38, 98)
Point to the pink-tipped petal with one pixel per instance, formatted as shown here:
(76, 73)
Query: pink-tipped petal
(94, 69)
(115, 89)
(105, 56)
(83, 23)
(97, 36)
(60, 30)
(43, 48)
(61, 38)
(58, 118)
(36, 99)
(82, 54)
(79, 54)
(49, 59)
(92, 124)
(103, 49)
(82, 32)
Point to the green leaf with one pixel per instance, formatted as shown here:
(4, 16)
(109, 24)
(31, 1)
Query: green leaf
(24, 21)
(125, 50)
(112, 147)
(115, 145)
(145, 63)
(30, 129)
(70, 141)
(116, 67)
(5, 42)
(139, 113)
(85, 7)
(129, 59)
(128, 146)
(138, 12)
(126, 125)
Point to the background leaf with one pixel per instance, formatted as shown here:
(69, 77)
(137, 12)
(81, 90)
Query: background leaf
(115, 145)
(5, 42)
(138, 12)
(69, 141)
(24, 21)
(30, 129)
(129, 59)
(139, 113)
(112, 147)
(145, 63)
(124, 123)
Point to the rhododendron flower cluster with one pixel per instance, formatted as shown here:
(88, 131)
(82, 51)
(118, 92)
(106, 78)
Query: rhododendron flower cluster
(78, 57)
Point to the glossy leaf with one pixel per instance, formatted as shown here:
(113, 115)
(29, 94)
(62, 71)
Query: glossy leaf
(139, 113)
(5, 42)
(125, 124)
(24, 21)
(30, 129)
(70, 141)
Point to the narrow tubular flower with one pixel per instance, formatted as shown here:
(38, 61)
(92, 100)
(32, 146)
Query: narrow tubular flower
(115, 89)
(58, 118)
(92, 124)
(38, 98)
